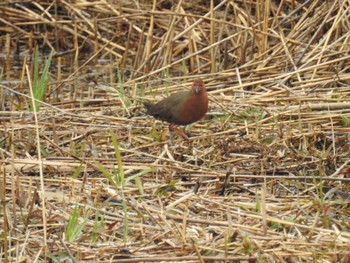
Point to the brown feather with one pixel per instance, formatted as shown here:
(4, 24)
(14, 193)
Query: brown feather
(183, 107)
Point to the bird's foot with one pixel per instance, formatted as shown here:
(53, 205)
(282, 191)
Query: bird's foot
(178, 132)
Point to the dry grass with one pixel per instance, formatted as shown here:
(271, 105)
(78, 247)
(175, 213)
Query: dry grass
(265, 177)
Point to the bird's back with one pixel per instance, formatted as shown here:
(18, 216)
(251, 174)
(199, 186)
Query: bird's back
(169, 108)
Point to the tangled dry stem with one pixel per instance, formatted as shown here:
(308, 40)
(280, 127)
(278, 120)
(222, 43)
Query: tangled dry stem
(264, 177)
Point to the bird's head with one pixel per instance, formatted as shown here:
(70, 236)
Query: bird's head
(198, 86)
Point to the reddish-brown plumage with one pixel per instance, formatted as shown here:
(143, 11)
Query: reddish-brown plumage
(183, 107)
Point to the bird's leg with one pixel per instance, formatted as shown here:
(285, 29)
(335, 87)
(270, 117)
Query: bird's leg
(171, 139)
(178, 132)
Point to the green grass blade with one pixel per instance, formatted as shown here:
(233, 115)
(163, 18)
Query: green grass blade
(75, 228)
(119, 159)
(40, 84)
(106, 173)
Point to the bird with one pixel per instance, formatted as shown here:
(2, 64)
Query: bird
(181, 108)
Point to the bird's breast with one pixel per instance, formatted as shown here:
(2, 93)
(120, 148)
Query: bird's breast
(193, 109)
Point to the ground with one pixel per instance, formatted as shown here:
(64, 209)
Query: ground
(86, 175)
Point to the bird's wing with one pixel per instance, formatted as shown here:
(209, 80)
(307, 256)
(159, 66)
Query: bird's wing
(169, 108)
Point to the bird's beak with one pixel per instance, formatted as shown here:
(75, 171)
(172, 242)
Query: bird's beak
(197, 89)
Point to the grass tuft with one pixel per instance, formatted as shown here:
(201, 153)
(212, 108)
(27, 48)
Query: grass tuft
(40, 82)
(75, 226)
